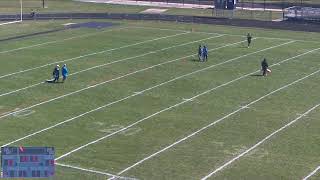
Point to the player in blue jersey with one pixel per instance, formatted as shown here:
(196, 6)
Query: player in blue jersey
(205, 53)
(64, 72)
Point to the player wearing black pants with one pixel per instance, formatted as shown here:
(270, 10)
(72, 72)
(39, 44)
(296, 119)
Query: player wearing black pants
(249, 38)
(264, 67)
(200, 53)
(205, 53)
(56, 73)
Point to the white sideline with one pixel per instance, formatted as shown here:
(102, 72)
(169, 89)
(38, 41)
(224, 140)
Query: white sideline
(176, 105)
(260, 142)
(91, 54)
(6, 114)
(213, 123)
(94, 171)
(135, 94)
(61, 40)
(113, 62)
(312, 173)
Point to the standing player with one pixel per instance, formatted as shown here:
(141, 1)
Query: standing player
(56, 73)
(200, 53)
(64, 72)
(205, 53)
(264, 67)
(249, 38)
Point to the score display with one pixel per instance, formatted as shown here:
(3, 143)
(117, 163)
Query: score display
(27, 162)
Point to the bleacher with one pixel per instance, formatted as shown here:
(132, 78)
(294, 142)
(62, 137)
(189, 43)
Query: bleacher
(302, 13)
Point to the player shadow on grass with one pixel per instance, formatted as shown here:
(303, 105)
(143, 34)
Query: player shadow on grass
(256, 75)
(195, 60)
(53, 82)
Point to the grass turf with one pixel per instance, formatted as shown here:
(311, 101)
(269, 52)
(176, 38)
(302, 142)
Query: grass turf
(291, 154)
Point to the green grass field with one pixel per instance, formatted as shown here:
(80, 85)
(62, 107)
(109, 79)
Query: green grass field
(138, 104)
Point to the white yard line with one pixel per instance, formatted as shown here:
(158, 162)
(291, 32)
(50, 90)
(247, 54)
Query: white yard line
(6, 114)
(312, 173)
(113, 62)
(213, 123)
(91, 54)
(170, 107)
(136, 94)
(94, 171)
(61, 40)
(260, 142)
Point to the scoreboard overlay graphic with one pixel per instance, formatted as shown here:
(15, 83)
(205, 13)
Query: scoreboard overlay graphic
(27, 162)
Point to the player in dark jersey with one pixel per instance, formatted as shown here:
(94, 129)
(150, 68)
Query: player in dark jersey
(249, 38)
(264, 67)
(200, 52)
(56, 73)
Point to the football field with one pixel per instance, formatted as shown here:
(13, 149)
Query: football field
(139, 105)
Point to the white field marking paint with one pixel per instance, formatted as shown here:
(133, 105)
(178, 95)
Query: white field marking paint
(12, 22)
(94, 171)
(111, 129)
(109, 104)
(113, 62)
(101, 65)
(91, 54)
(238, 35)
(148, 53)
(166, 109)
(260, 142)
(131, 131)
(211, 124)
(24, 113)
(108, 81)
(245, 107)
(312, 173)
(61, 40)
(120, 100)
(298, 114)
